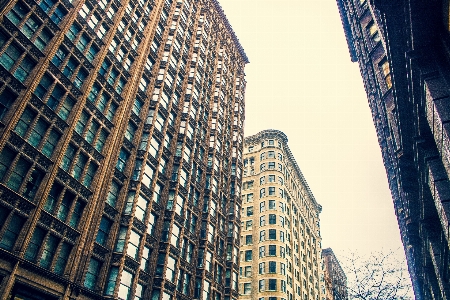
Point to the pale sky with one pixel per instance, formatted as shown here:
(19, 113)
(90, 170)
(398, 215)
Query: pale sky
(301, 81)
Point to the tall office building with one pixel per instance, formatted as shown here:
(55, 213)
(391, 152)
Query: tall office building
(334, 275)
(402, 48)
(281, 244)
(120, 150)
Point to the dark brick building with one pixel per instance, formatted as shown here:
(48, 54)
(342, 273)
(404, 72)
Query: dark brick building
(402, 48)
(335, 279)
(121, 135)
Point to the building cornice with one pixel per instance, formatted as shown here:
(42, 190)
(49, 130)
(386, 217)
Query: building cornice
(222, 15)
(347, 31)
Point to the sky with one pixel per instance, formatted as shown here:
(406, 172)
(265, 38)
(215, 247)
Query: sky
(301, 81)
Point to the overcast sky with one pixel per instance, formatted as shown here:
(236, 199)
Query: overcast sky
(301, 81)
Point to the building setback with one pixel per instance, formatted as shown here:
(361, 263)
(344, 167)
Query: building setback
(120, 150)
(402, 48)
(335, 279)
(280, 253)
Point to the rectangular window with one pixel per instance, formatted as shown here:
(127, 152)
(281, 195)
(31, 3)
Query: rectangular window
(272, 250)
(248, 255)
(15, 60)
(11, 233)
(103, 231)
(92, 274)
(272, 284)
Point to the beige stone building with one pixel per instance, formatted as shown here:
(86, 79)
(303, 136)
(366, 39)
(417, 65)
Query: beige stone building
(280, 238)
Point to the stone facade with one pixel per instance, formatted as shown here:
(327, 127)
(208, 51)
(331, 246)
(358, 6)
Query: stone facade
(280, 252)
(120, 150)
(402, 48)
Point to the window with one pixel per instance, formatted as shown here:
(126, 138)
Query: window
(7, 98)
(157, 193)
(262, 221)
(174, 240)
(261, 268)
(248, 239)
(92, 274)
(248, 225)
(262, 180)
(248, 271)
(249, 211)
(89, 128)
(103, 101)
(103, 231)
(23, 177)
(126, 282)
(151, 223)
(272, 234)
(250, 197)
(272, 219)
(248, 255)
(45, 248)
(373, 33)
(30, 26)
(386, 73)
(12, 231)
(130, 131)
(261, 285)
(271, 193)
(247, 288)
(113, 193)
(170, 270)
(262, 167)
(122, 160)
(55, 96)
(262, 235)
(272, 266)
(15, 60)
(272, 284)
(272, 204)
(141, 207)
(272, 250)
(280, 180)
(262, 193)
(147, 177)
(262, 251)
(271, 165)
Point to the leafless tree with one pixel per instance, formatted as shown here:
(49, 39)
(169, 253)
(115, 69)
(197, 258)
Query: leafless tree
(380, 276)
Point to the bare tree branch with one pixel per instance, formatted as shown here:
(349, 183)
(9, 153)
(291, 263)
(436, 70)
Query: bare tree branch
(381, 276)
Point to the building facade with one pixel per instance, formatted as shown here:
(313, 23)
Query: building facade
(334, 275)
(402, 48)
(120, 150)
(280, 252)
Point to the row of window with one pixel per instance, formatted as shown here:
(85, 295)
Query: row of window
(271, 192)
(264, 144)
(270, 166)
(247, 255)
(270, 154)
(45, 248)
(262, 180)
(272, 236)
